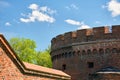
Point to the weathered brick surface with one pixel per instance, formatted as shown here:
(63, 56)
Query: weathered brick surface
(12, 68)
(8, 70)
(98, 45)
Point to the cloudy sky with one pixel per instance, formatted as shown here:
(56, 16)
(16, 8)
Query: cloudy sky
(41, 20)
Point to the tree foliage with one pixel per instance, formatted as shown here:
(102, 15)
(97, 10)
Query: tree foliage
(25, 49)
(44, 58)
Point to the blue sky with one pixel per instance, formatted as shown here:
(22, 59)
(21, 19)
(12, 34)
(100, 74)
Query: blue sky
(41, 20)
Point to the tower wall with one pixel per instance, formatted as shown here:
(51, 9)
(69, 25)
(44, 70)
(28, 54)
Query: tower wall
(83, 52)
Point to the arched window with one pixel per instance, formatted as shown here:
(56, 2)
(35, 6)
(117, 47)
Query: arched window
(57, 56)
(78, 52)
(90, 64)
(70, 54)
(107, 50)
(83, 52)
(63, 55)
(88, 51)
(95, 51)
(101, 51)
(114, 50)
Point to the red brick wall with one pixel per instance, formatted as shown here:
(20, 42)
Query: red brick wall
(97, 45)
(9, 71)
(12, 68)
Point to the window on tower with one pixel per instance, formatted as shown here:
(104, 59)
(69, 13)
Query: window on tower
(64, 67)
(90, 64)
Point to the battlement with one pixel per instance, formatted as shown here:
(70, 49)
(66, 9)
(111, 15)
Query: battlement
(86, 35)
(82, 53)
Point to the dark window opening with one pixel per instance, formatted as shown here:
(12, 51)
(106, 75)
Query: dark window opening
(56, 56)
(83, 52)
(101, 51)
(70, 54)
(78, 53)
(63, 55)
(94, 51)
(88, 51)
(90, 65)
(114, 50)
(64, 67)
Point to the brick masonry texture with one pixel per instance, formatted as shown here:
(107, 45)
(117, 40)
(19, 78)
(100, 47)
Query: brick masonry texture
(82, 53)
(11, 68)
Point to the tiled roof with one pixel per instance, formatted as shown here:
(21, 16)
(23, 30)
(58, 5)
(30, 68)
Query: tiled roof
(44, 69)
(27, 68)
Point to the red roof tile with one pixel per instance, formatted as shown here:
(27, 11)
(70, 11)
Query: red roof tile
(44, 69)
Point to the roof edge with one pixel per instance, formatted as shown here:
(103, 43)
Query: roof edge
(21, 66)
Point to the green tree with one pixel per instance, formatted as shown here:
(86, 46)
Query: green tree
(25, 49)
(44, 58)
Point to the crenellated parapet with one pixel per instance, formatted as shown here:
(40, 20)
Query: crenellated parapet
(86, 35)
(83, 52)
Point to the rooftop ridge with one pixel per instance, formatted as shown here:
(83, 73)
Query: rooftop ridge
(30, 69)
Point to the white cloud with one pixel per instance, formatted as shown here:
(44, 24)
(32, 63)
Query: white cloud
(114, 7)
(73, 22)
(83, 26)
(41, 14)
(47, 10)
(79, 24)
(44, 8)
(33, 6)
(72, 6)
(7, 24)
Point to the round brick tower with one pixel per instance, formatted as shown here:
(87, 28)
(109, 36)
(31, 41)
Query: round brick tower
(83, 52)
